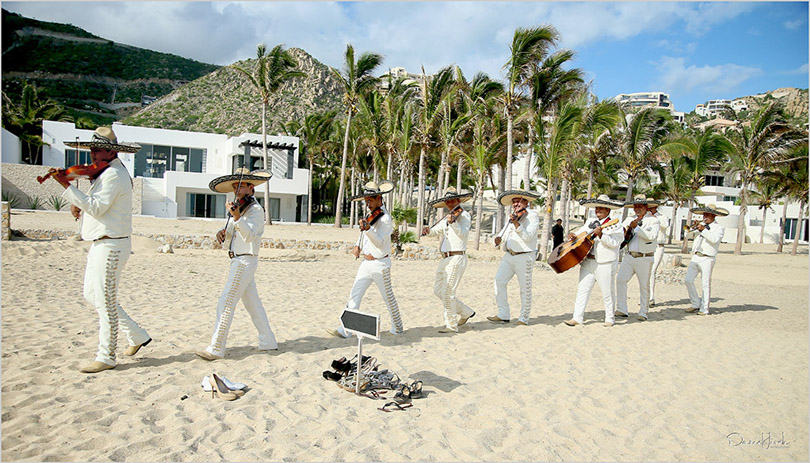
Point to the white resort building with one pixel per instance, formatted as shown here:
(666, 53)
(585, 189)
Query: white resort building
(653, 99)
(173, 168)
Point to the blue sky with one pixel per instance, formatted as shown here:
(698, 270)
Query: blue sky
(693, 51)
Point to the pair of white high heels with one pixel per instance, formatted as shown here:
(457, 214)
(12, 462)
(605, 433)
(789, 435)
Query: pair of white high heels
(221, 388)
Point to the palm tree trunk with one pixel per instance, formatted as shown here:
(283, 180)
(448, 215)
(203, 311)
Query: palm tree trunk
(590, 189)
(762, 230)
(459, 173)
(561, 205)
(628, 195)
(549, 206)
(479, 213)
(420, 211)
(509, 141)
(353, 206)
(797, 235)
(267, 219)
(675, 205)
(782, 227)
(527, 167)
(440, 175)
(389, 175)
(503, 212)
(309, 193)
(741, 219)
(342, 188)
(685, 244)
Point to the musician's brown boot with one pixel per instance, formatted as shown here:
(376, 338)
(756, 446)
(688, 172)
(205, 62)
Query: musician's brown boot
(572, 322)
(497, 319)
(96, 367)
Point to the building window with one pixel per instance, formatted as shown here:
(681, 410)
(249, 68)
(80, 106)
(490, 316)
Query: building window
(275, 206)
(205, 205)
(790, 229)
(730, 198)
(256, 162)
(70, 158)
(154, 160)
(714, 180)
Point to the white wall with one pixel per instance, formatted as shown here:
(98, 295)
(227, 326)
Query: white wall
(11, 148)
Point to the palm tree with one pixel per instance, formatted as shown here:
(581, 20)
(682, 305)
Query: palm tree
(529, 47)
(701, 151)
(674, 186)
(755, 147)
(25, 120)
(432, 92)
(765, 195)
(640, 144)
(548, 85)
(314, 133)
(556, 139)
(272, 70)
(356, 79)
(598, 120)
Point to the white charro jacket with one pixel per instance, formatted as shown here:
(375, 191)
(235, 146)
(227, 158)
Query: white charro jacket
(524, 237)
(377, 239)
(244, 236)
(107, 206)
(707, 242)
(455, 235)
(645, 238)
(606, 248)
(663, 224)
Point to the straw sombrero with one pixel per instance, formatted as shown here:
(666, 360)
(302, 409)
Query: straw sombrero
(601, 201)
(711, 209)
(641, 199)
(374, 189)
(105, 138)
(225, 183)
(450, 193)
(507, 196)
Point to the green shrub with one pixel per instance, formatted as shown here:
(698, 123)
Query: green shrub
(57, 202)
(408, 237)
(34, 202)
(12, 200)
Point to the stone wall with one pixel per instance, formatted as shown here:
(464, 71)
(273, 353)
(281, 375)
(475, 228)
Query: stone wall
(20, 180)
(6, 222)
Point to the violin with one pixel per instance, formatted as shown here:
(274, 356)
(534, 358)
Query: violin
(242, 204)
(90, 171)
(630, 232)
(371, 218)
(453, 215)
(518, 214)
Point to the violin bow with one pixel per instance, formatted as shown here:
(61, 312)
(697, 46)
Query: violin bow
(227, 220)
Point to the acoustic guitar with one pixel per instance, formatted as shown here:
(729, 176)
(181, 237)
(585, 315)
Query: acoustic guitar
(570, 253)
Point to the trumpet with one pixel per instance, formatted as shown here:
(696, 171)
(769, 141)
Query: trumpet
(693, 226)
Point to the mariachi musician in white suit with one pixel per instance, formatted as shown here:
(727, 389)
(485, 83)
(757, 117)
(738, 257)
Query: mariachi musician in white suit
(520, 238)
(106, 220)
(454, 230)
(638, 259)
(244, 237)
(663, 224)
(601, 263)
(704, 255)
(374, 248)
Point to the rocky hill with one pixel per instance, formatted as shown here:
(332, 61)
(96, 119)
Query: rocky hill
(224, 101)
(794, 100)
(89, 75)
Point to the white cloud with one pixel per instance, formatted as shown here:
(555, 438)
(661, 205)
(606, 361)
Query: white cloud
(678, 77)
(803, 69)
(795, 24)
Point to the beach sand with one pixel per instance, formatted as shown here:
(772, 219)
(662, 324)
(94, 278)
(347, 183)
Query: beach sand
(732, 386)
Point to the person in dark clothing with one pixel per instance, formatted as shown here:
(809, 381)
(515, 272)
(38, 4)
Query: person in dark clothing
(557, 234)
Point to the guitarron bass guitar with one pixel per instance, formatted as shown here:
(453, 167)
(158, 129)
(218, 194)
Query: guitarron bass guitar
(570, 253)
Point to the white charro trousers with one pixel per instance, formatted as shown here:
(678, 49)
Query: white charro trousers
(105, 262)
(641, 267)
(521, 265)
(659, 255)
(241, 285)
(448, 277)
(704, 265)
(377, 271)
(589, 273)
